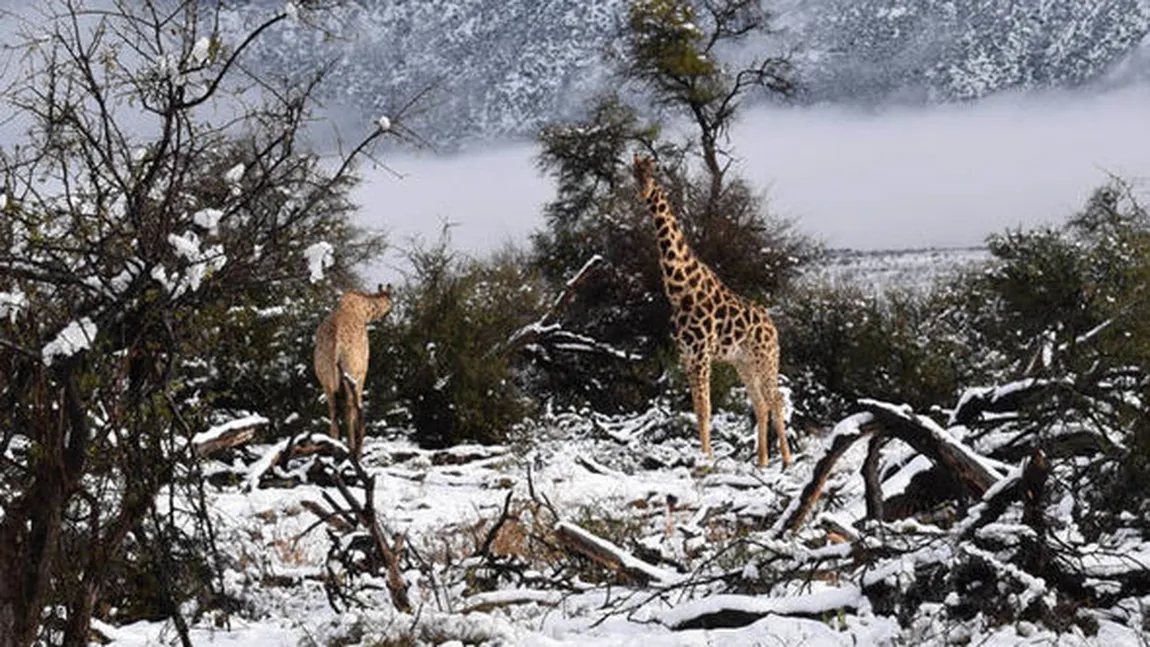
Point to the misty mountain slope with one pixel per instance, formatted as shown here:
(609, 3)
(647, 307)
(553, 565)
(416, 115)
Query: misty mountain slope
(501, 69)
(494, 68)
(965, 49)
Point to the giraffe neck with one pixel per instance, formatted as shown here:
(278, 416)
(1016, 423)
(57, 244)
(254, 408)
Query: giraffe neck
(680, 269)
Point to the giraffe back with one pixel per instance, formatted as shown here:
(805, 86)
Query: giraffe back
(341, 339)
(341, 346)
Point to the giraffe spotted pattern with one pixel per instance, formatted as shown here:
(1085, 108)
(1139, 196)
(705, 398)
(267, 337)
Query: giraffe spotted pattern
(712, 323)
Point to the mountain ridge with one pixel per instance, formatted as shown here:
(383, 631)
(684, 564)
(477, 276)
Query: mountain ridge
(500, 69)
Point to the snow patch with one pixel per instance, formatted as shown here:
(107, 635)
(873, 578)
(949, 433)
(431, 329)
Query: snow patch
(320, 256)
(75, 337)
(11, 303)
(209, 219)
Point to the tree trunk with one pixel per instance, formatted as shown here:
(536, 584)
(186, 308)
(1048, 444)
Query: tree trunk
(30, 529)
(28, 538)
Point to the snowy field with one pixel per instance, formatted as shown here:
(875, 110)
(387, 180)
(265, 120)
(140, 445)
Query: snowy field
(701, 544)
(879, 270)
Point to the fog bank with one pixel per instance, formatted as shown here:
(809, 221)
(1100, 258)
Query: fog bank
(893, 178)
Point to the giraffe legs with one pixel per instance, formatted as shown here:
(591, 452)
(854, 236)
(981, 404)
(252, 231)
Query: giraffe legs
(329, 395)
(353, 411)
(354, 416)
(762, 407)
(775, 399)
(699, 377)
(355, 427)
(767, 400)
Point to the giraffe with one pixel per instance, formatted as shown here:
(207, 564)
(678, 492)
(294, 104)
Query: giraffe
(712, 323)
(341, 351)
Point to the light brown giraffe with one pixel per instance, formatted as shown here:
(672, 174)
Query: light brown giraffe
(712, 323)
(341, 348)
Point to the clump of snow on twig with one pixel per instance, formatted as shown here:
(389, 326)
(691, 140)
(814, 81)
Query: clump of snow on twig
(320, 256)
(201, 262)
(75, 337)
(235, 173)
(384, 123)
(208, 219)
(202, 50)
(233, 177)
(11, 303)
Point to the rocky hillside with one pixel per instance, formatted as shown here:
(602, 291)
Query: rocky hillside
(500, 68)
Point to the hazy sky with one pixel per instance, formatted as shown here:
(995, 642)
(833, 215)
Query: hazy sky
(895, 178)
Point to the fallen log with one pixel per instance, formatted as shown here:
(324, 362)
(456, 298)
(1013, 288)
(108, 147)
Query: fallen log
(932, 441)
(733, 611)
(846, 433)
(883, 421)
(486, 601)
(1026, 485)
(605, 553)
(230, 434)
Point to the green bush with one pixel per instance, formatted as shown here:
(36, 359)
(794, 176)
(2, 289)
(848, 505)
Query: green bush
(842, 343)
(1069, 306)
(443, 355)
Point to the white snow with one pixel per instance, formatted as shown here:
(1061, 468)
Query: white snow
(235, 174)
(813, 604)
(320, 256)
(209, 219)
(75, 337)
(201, 50)
(11, 303)
(269, 457)
(384, 123)
(592, 471)
(201, 262)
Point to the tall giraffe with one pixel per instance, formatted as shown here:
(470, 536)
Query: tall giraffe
(341, 349)
(712, 323)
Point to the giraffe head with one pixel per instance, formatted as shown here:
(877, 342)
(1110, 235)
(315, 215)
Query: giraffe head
(644, 173)
(379, 304)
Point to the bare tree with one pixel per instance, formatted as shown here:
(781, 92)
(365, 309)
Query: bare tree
(157, 184)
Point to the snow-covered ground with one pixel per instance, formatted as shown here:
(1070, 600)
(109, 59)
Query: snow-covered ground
(708, 533)
(909, 269)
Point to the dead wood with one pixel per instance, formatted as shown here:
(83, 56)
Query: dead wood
(233, 437)
(379, 550)
(577, 540)
(332, 518)
(811, 492)
(485, 549)
(734, 611)
(871, 478)
(941, 450)
(1028, 487)
(883, 422)
(546, 323)
(1004, 399)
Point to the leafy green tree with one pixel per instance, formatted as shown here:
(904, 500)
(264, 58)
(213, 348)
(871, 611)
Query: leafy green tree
(673, 49)
(669, 56)
(444, 356)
